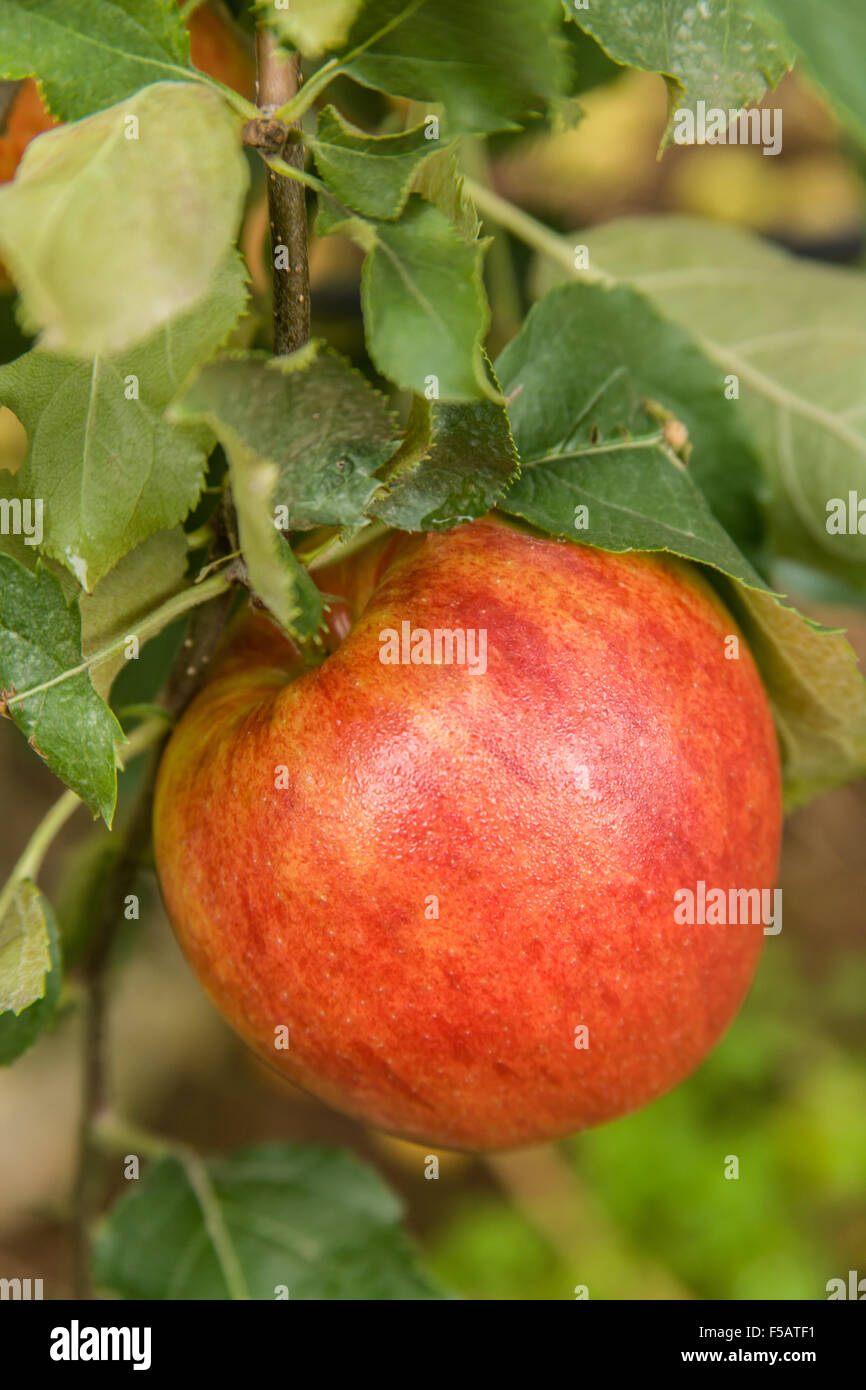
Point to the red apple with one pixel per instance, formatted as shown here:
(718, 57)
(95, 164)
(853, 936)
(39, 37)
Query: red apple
(436, 877)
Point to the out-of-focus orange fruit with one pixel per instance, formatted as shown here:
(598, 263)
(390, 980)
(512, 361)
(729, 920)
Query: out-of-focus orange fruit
(218, 48)
(27, 119)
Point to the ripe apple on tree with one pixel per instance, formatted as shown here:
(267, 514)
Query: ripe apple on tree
(456, 891)
(434, 800)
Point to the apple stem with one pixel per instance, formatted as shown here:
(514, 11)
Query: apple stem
(279, 80)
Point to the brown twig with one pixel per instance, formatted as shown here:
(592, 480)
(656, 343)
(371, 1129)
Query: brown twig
(279, 76)
(185, 679)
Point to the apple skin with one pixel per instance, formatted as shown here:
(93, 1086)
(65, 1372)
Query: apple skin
(307, 906)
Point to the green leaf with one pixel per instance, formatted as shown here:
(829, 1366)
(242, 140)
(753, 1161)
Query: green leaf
(27, 928)
(280, 581)
(25, 954)
(316, 420)
(311, 26)
(143, 580)
(304, 433)
(370, 173)
(454, 465)
(440, 181)
(109, 237)
(282, 1220)
(636, 498)
(425, 310)
(491, 63)
(111, 468)
(22, 520)
(817, 693)
(711, 51)
(618, 336)
(68, 724)
(161, 19)
(793, 334)
(89, 54)
(585, 375)
(831, 38)
(590, 65)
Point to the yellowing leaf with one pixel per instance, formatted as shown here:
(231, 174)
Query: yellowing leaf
(25, 952)
(118, 223)
(313, 26)
(817, 693)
